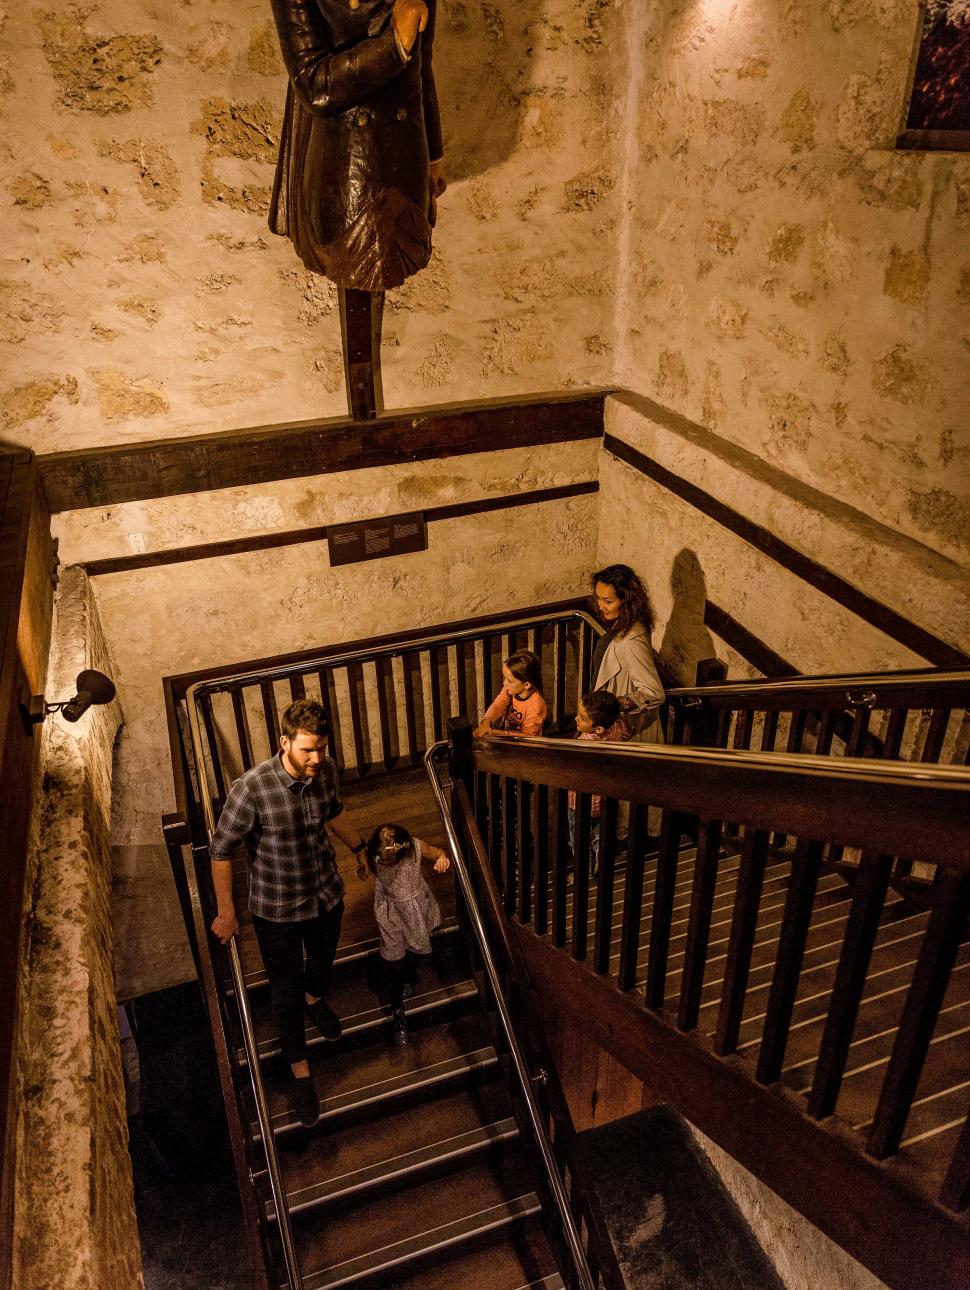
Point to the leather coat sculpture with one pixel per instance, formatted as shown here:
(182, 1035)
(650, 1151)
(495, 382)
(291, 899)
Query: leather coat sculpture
(360, 127)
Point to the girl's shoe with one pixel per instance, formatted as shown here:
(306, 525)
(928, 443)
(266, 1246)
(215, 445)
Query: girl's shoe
(401, 1037)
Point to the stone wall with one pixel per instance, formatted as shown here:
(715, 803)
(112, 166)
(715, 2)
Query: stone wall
(201, 613)
(74, 1208)
(788, 280)
(687, 557)
(141, 292)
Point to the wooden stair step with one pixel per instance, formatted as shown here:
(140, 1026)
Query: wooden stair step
(375, 1241)
(438, 1056)
(402, 1142)
(358, 1026)
(513, 1259)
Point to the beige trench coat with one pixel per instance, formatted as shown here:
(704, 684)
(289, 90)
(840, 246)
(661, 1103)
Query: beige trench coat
(628, 669)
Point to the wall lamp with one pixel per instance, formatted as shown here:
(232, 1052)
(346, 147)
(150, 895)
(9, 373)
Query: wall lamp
(93, 688)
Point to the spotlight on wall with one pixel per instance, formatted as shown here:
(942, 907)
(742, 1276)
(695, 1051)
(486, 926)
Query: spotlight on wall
(93, 689)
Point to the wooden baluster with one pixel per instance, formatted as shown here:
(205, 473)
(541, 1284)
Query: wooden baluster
(526, 846)
(297, 688)
(935, 735)
(802, 886)
(358, 709)
(559, 666)
(826, 731)
(270, 718)
(510, 846)
(796, 731)
(636, 848)
(481, 802)
(723, 728)
(742, 730)
(559, 851)
(678, 733)
(855, 745)
(665, 883)
(242, 728)
(769, 731)
(385, 698)
(461, 677)
(744, 924)
(699, 923)
(605, 876)
(581, 866)
(541, 832)
(940, 945)
(955, 1192)
(437, 716)
(585, 660)
(328, 701)
(215, 761)
(486, 693)
(495, 825)
(868, 897)
(895, 730)
(530, 639)
(411, 671)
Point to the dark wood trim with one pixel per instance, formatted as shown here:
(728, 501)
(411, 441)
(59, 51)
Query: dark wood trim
(890, 1225)
(237, 458)
(318, 533)
(878, 615)
(751, 648)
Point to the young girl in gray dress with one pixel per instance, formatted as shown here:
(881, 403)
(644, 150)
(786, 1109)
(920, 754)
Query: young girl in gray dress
(405, 908)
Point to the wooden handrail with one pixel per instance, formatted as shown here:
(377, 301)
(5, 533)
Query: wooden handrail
(862, 689)
(921, 811)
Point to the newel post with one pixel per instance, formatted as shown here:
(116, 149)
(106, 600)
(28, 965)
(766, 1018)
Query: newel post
(460, 735)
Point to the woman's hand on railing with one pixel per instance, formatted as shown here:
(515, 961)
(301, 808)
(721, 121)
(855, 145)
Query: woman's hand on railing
(225, 926)
(360, 869)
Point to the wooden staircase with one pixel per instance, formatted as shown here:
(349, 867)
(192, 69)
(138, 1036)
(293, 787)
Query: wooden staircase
(415, 1174)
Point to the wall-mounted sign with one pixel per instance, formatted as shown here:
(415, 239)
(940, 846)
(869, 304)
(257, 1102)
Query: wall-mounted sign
(373, 539)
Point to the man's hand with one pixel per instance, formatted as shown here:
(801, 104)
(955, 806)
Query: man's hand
(409, 17)
(225, 926)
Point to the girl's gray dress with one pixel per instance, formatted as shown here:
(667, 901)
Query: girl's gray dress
(406, 911)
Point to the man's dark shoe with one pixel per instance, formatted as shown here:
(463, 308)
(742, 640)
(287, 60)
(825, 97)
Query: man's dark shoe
(401, 1037)
(325, 1019)
(408, 989)
(304, 1100)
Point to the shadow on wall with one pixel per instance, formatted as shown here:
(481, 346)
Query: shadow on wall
(483, 64)
(686, 640)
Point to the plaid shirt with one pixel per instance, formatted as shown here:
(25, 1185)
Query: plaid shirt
(283, 823)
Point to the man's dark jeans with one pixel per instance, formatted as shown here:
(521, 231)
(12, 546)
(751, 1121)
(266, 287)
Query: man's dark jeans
(282, 945)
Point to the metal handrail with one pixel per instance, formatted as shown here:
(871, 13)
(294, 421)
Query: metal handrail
(263, 1116)
(391, 650)
(556, 1185)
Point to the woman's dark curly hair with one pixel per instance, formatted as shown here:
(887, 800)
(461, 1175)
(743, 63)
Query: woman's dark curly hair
(635, 604)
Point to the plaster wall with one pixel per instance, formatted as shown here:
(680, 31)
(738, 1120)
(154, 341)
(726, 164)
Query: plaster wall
(180, 617)
(141, 292)
(74, 1218)
(788, 280)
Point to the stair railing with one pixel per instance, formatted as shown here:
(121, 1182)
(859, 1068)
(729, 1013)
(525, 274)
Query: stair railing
(583, 1274)
(883, 810)
(251, 1047)
(918, 715)
(388, 699)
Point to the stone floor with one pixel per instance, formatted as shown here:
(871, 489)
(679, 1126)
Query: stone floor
(189, 1218)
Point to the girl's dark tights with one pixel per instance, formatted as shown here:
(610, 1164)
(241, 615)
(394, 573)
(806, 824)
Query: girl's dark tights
(397, 974)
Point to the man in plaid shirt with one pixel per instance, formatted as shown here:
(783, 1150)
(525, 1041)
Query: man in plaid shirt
(280, 810)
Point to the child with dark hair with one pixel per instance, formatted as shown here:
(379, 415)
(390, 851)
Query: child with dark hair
(599, 718)
(405, 908)
(518, 708)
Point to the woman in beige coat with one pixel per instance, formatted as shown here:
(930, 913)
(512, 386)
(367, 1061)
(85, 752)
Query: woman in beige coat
(623, 660)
